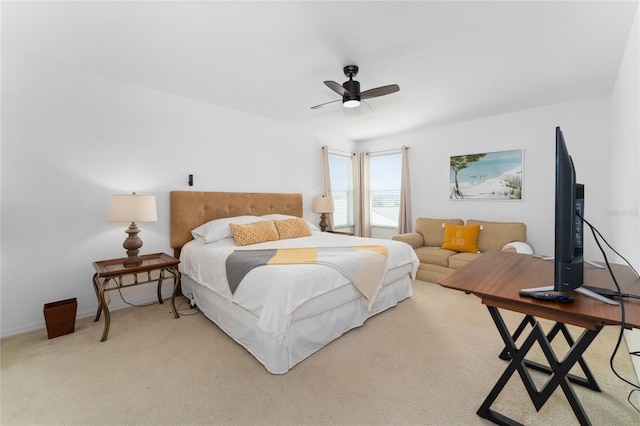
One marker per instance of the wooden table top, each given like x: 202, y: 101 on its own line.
x: 114, y: 267
x: 497, y: 277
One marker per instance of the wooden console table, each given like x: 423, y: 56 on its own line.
x: 155, y: 267
x: 497, y: 277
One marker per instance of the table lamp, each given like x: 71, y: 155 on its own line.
x: 133, y: 208
x: 323, y: 205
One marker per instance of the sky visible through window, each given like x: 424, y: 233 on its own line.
x: 385, y: 175
x: 341, y: 175
x: 386, y: 171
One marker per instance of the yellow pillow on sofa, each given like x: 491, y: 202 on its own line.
x: 461, y: 238
x: 292, y: 228
x: 253, y: 233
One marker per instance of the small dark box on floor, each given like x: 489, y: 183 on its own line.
x: 60, y: 317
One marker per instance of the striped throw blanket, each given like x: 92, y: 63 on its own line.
x: 364, y: 266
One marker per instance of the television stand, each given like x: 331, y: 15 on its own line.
x: 496, y: 278
x: 580, y: 290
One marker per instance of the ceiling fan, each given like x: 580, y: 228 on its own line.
x: 350, y: 90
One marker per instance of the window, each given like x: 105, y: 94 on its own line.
x: 341, y: 175
x: 385, y: 177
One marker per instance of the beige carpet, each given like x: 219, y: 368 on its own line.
x: 429, y: 361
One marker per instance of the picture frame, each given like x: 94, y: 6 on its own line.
x: 487, y: 176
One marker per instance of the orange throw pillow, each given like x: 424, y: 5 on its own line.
x: 461, y: 238
x: 253, y: 233
x: 292, y: 228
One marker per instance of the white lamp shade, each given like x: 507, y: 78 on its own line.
x: 133, y: 208
x: 323, y: 205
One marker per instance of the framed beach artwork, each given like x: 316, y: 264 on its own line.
x: 486, y: 176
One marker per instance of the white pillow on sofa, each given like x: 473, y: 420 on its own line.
x: 278, y: 216
x: 518, y: 247
x: 219, y: 229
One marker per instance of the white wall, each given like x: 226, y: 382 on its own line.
x: 625, y: 205
x: 585, y: 123
x: 71, y: 139
x: 625, y: 113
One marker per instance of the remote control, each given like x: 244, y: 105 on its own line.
x: 547, y: 296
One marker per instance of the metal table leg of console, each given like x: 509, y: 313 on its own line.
x: 558, y: 370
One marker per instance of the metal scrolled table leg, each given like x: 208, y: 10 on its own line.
x: 160, y: 279
x: 96, y: 287
x: 105, y: 308
x: 176, y: 283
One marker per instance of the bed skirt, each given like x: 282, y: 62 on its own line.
x: 313, y: 325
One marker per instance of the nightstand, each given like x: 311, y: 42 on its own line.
x: 112, y: 275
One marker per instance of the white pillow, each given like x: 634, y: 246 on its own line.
x: 219, y: 229
x: 278, y: 216
x: 519, y: 247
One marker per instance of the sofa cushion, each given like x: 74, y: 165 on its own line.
x: 461, y: 238
x: 434, y: 255
x: 458, y: 260
x: 494, y: 235
x: 432, y: 230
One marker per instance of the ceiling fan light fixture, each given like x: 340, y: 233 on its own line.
x: 351, y: 103
x: 350, y: 90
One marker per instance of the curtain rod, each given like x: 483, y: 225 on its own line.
x: 389, y: 151
x: 335, y: 151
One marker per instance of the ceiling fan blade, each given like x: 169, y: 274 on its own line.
x: 326, y: 103
x: 337, y: 88
x: 379, y: 91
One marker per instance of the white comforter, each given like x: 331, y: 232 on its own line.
x: 274, y: 292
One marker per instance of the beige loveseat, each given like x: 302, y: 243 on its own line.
x: 436, y: 262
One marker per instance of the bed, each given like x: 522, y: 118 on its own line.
x: 281, y: 313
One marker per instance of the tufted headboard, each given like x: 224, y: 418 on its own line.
x: 190, y: 209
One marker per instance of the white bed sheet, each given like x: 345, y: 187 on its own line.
x: 288, y: 286
x: 280, y: 313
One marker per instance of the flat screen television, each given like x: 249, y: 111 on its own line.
x: 569, y: 235
x: 568, y: 256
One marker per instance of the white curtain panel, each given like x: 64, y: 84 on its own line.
x: 361, y: 194
x: 404, y: 221
x: 327, y: 184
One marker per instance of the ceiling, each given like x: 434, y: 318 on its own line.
x: 453, y: 60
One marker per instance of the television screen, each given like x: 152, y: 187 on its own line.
x: 568, y: 258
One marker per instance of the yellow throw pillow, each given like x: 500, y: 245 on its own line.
x: 253, y: 233
x: 292, y: 228
x: 461, y: 238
